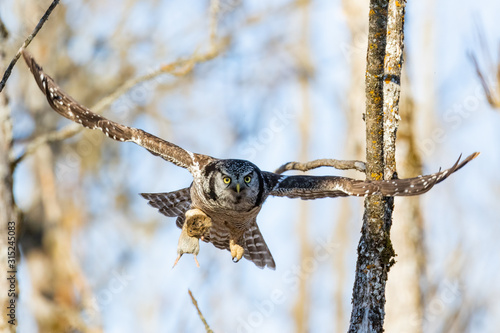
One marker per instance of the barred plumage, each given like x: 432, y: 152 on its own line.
x: 307, y: 187
x: 170, y: 204
x: 222, y: 203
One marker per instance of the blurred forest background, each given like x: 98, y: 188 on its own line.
x: 272, y: 82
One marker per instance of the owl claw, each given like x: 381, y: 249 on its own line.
x: 236, y: 250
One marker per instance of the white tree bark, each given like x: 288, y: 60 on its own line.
x: 383, y: 86
x: 7, y: 209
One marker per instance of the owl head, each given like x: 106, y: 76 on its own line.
x: 234, y: 184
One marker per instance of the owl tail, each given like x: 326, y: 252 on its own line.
x: 256, y: 249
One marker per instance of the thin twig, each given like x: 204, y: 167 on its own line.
x: 178, y: 68
x: 492, y: 94
x: 487, y: 91
x: 214, y: 13
x: 28, y: 40
x: 195, y: 303
x: 337, y: 164
x: 64, y: 133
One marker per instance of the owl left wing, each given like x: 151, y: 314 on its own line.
x: 314, y: 187
x: 69, y: 108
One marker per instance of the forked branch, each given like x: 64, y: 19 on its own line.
x: 337, y: 164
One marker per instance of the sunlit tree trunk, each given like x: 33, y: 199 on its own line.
x: 406, y: 294
x: 303, y: 302
x: 7, y: 208
x: 404, y: 289
x: 354, y: 51
x: 382, y: 84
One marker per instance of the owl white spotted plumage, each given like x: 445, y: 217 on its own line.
x: 225, y: 197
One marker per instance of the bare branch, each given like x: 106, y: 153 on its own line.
x: 65, y: 133
x: 28, y: 40
x: 337, y: 164
x: 484, y: 83
x: 178, y: 68
x: 492, y: 93
x: 195, y: 303
x: 214, y: 13
x: 7, y: 204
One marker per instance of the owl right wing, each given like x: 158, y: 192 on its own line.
x: 171, y: 204
x: 66, y: 106
x: 314, y: 187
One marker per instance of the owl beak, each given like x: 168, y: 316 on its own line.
x: 238, y: 187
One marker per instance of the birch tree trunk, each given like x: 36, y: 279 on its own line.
x: 382, y: 84
x: 302, y: 306
x: 7, y: 210
x: 405, y: 297
x: 355, y: 12
x: 409, y: 285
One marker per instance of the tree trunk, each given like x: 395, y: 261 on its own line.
x: 405, y: 297
x: 7, y: 210
x: 383, y: 76
x: 302, y: 306
x: 355, y: 12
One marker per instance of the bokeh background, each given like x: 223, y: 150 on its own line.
x: 272, y: 82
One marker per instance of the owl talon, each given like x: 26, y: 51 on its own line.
x: 236, y: 250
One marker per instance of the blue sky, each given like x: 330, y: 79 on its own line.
x: 229, y: 112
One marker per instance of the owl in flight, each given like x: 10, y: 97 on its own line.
x: 222, y: 203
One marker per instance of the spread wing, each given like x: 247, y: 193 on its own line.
x: 66, y: 106
x: 171, y: 203
x: 314, y: 187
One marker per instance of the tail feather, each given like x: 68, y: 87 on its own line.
x: 256, y: 249
x: 253, y: 243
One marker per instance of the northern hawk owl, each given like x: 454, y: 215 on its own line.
x: 226, y: 195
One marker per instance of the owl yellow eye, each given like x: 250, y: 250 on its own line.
x: 247, y: 179
x: 226, y: 180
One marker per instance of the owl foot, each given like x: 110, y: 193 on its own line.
x: 236, y: 250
